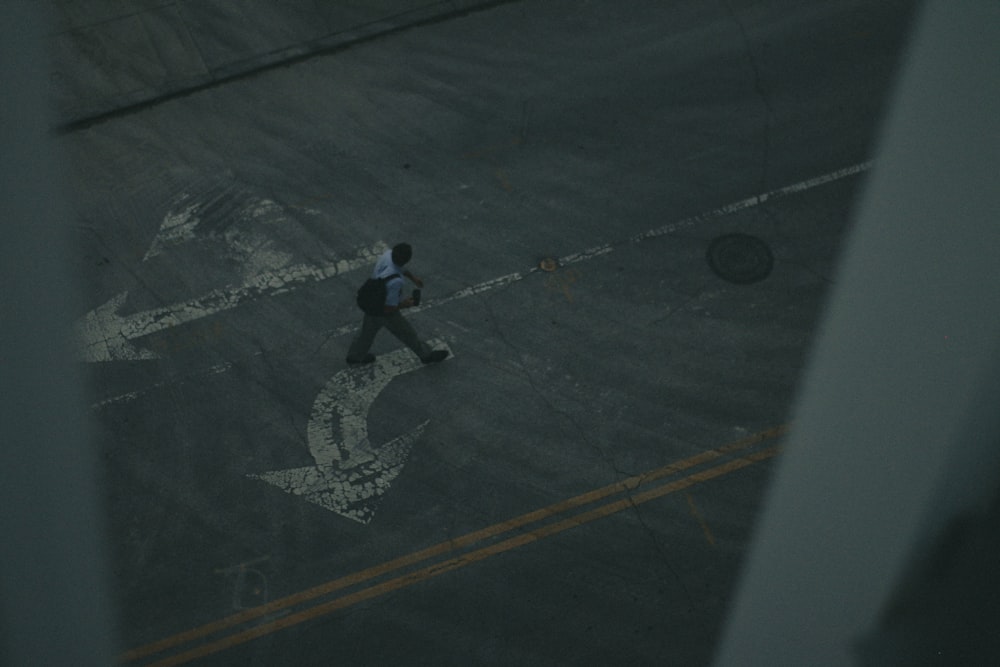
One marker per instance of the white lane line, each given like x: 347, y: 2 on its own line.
x: 720, y: 212
x: 670, y: 228
x: 132, y: 395
x: 598, y: 251
x: 502, y: 281
x: 104, y: 335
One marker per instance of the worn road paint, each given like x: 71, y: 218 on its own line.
x: 236, y: 221
x: 132, y: 395
x: 350, y: 476
x: 701, y: 519
x: 504, y: 181
x: 561, y: 282
x: 249, y: 584
x: 177, y: 227
x: 722, y: 211
x: 104, y: 335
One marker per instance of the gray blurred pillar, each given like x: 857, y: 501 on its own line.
x: 53, y: 599
x: 896, y: 427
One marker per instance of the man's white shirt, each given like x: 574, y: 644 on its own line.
x: 393, y: 288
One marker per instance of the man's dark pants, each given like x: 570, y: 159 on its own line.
x: 397, y: 326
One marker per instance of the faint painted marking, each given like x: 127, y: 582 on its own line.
x: 561, y: 282
x: 249, y: 584
x: 132, y: 395
x: 504, y: 181
x: 350, y: 476
x: 177, y: 227
x: 701, y: 519
x: 236, y: 221
x: 104, y: 335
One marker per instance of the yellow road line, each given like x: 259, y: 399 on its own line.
x: 627, y: 485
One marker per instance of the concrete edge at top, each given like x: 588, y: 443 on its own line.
x: 116, y: 64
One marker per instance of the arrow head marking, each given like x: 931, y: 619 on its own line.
x: 177, y: 227
x: 355, y: 492
x: 100, y: 337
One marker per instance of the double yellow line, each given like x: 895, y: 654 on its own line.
x: 631, y: 499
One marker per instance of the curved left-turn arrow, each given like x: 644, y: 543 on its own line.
x: 350, y: 476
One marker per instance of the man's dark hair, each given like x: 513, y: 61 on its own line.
x: 401, y: 253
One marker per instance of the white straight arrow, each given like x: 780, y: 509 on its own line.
x: 350, y: 476
x: 104, y: 335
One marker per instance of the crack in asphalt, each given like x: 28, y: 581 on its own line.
x: 759, y: 89
x: 660, y: 549
x: 603, y: 453
x: 769, y: 114
x: 283, y: 58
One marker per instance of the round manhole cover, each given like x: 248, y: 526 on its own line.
x: 740, y: 258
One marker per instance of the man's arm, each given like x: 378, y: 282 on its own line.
x: 416, y: 281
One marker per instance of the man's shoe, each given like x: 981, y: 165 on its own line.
x: 435, y: 356
x: 369, y: 358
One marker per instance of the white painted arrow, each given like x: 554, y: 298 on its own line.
x: 101, y: 334
x: 350, y: 476
x: 104, y: 335
x: 177, y: 227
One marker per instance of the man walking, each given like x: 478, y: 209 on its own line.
x: 390, y: 267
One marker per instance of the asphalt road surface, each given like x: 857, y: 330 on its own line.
x: 578, y: 483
